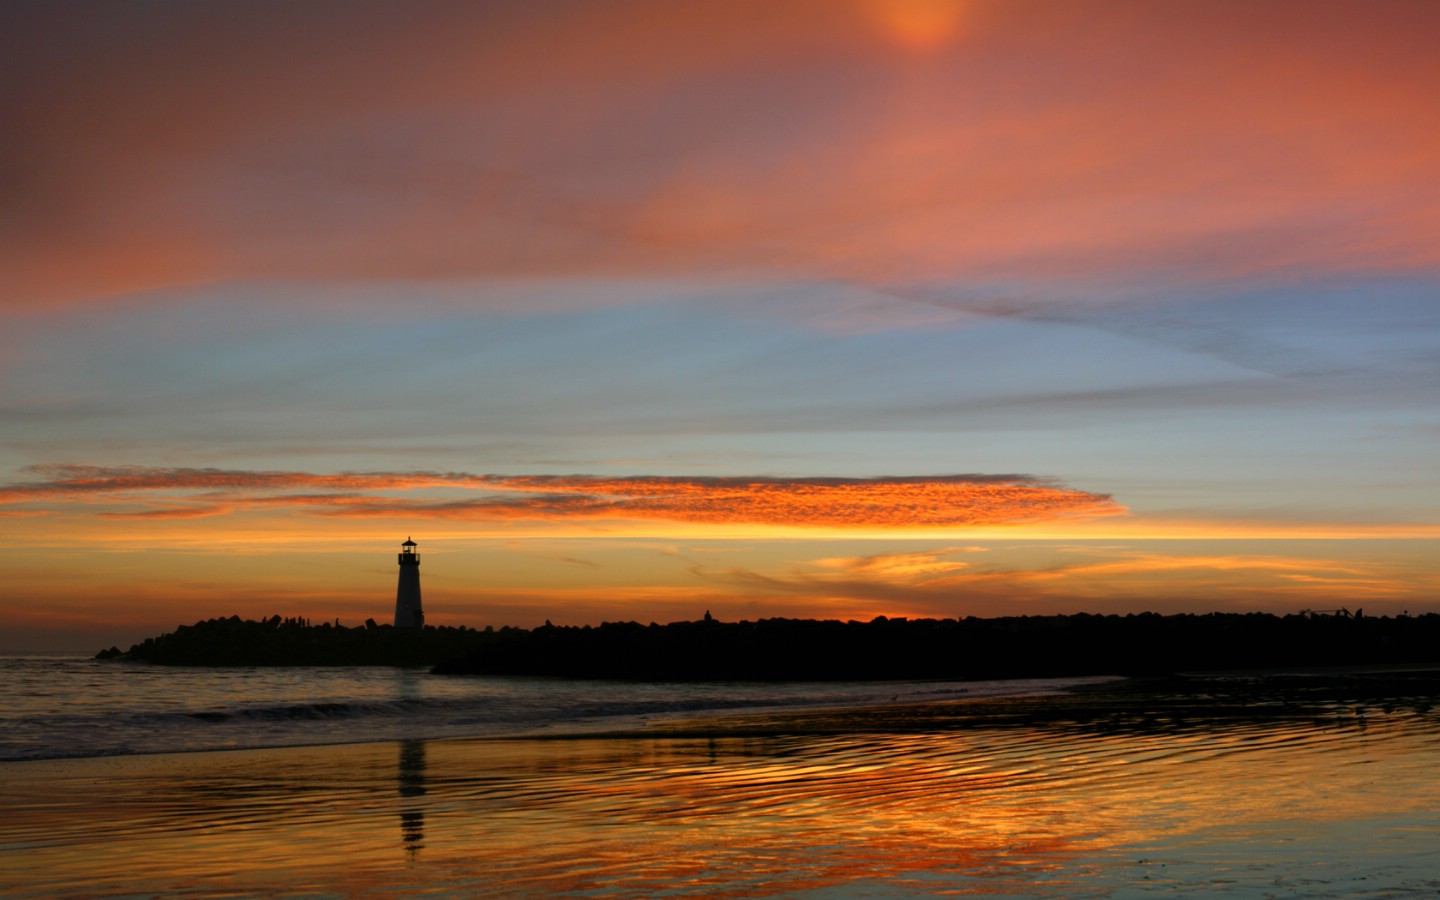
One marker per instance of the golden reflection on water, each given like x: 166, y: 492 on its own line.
x: 1043, y: 809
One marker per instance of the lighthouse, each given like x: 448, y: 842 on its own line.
x: 408, y: 613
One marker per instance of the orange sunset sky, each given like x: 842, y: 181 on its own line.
x: 634, y: 310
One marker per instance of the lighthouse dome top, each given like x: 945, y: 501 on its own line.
x: 408, y: 543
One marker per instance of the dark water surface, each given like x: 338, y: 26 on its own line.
x: 1263, y: 791
x: 52, y: 707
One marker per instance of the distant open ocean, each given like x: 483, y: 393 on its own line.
x: 130, y: 781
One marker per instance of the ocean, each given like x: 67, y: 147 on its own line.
x: 128, y: 781
x: 63, y: 707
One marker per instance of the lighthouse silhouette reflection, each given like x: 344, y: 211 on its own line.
x: 412, y: 789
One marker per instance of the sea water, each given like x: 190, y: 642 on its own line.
x: 67, y: 707
x: 593, y: 789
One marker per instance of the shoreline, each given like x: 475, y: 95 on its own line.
x: 783, y: 650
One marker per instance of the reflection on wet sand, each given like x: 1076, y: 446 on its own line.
x: 1067, y: 797
x: 412, y: 785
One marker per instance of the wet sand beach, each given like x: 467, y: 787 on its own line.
x: 1252, y: 787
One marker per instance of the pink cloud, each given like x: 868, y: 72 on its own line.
x: 986, y: 140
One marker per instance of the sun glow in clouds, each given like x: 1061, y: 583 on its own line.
x: 919, y: 24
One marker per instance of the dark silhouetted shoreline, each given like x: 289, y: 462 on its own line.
x: 296, y: 642
x: 803, y: 649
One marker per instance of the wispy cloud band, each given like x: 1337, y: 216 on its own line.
x: 913, y: 501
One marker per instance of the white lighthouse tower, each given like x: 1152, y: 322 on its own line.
x: 408, y: 613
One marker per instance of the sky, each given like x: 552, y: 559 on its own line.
x: 637, y: 310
